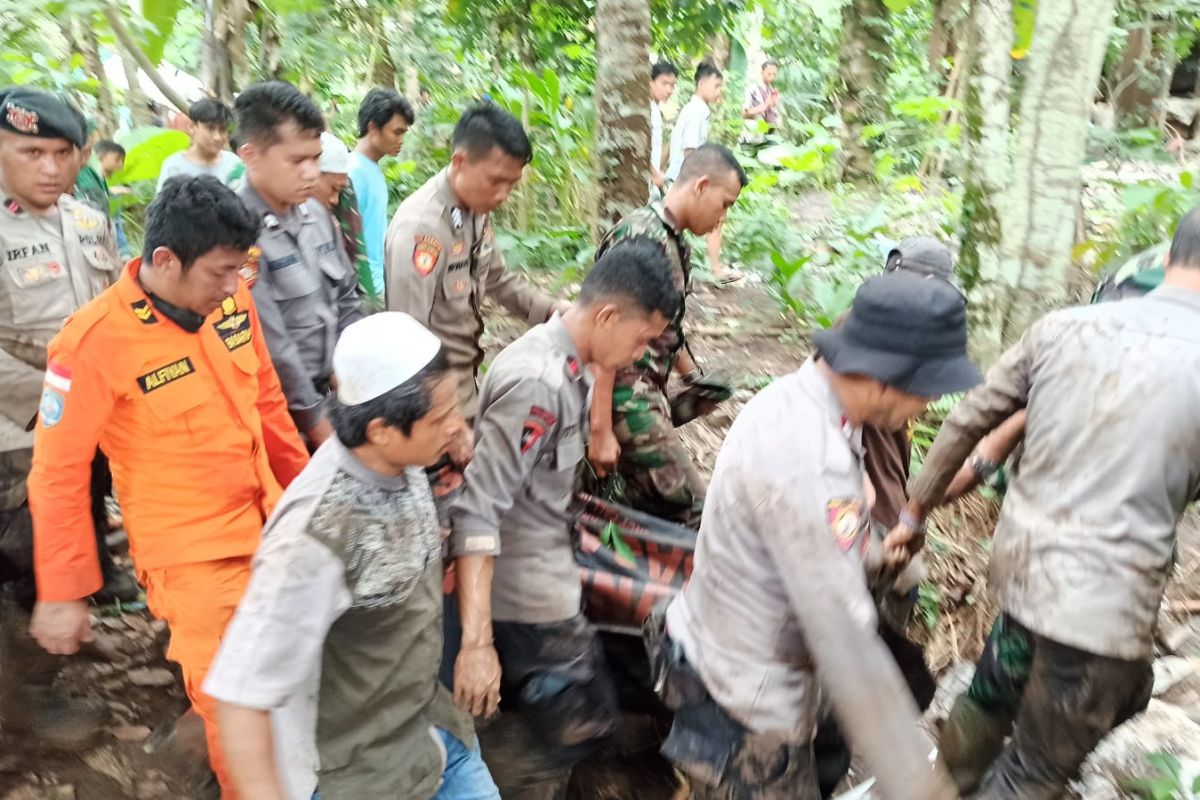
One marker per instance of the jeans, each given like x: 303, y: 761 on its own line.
x: 466, y: 776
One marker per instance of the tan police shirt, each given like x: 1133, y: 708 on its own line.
x: 777, y: 608
x: 306, y: 293
x: 1111, y: 458
x: 50, y: 265
x: 441, y: 262
x: 529, y: 440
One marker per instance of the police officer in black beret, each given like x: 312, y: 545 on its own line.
x: 56, y: 254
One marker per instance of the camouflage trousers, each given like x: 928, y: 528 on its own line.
x: 659, y: 475
x: 1056, y: 701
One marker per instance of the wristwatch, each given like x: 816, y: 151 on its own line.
x: 983, y: 467
x: 911, y: 522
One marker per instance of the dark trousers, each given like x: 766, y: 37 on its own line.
x: 16, y: 537
x: 1057, y: 701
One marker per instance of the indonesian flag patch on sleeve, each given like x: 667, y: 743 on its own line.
x: 426, y: 252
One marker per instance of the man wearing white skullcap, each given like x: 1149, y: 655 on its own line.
x: 340, y: 630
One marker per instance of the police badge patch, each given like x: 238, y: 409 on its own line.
x: 426, y: 253
x: 249, y: 269
x: 844, y: 516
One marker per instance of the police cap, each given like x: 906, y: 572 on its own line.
x: 30, y: 112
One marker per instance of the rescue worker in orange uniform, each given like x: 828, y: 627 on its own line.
x: 168, y: 372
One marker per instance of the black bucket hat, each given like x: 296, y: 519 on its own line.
x: 907, y: 332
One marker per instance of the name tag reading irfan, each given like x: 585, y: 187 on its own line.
x: 164, y: 375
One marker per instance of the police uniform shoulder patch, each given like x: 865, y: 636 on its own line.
x: 845, y: 517
x: 143, y: 311
x: 531, y: 431
x: 249, y: 269
x: 168, y: 373
x: 426, y: 252
x: 50, y: 409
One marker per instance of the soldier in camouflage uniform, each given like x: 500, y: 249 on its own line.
x: 632, y: 430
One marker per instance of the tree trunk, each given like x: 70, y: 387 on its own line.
x: 113, y: 15
x: 406, y: 34
x: 139, y: 106
x: 987, y: 137
x: 622, y: 106
x: 383, y: 71
x: 106, y: 113
x: 270, y: 52
x: 942, y: 37
x: 863, y: 67
x: 1138, y: 74
x: 1038, y: 217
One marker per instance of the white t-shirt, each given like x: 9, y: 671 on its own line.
x: 180, y: 164
x: 691, y: 131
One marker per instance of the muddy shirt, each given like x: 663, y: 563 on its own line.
x: 529, y: 440
x: 777, y: 607
x: 441, y: 261
x: 1084, y: 543
x: 340, y: 634
x: 306, y: 293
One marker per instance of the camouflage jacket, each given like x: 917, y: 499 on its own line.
x: 655, y: 221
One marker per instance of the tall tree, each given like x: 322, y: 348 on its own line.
x: 987, y: 136
x: 622, y: 106
x: 1039, y: 210
x: 131, y: 47
x: 861, y: 75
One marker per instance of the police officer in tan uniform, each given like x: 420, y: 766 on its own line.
x: 441, y: 254
x: 56, y: 254
x: 303, y: 285
x: 525, y: 640
x: 441, y: 259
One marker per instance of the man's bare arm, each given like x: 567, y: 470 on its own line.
x: 477, y: 669
x: 250, y: 751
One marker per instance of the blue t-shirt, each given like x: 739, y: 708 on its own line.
x: 371, y: 190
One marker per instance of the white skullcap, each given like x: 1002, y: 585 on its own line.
x: 334, y: 155
x: 378, y: 353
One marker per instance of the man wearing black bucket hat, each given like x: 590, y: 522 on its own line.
x: 1086, y: 536
x: 778, y: 610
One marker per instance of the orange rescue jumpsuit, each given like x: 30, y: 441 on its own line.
x: 201, y: 443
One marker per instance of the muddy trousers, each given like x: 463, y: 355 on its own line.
x: 197, y: 601
x: 1056, y: 701
x: 558, y: 706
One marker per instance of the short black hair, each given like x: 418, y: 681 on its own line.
x: 637, y: 270
x: 711, y: 159
x: 705, y: 70
x: 401, y: 407
x: 263, y: 107
x: 486, y: 125
x: 210, y: 111
x: 663, y: 68
x: 106, y: 146
x: 379, y: 106
x: 770, y: 62
x: 1185, y: 245
x: 194, y: 214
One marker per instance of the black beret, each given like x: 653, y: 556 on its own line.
x: 30, y: 112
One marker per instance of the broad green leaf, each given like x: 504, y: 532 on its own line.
x: 145, y: 151
x: 805, y: 161
x: 1141, y: 195
x: 898, y: 6
x: 1024, y: 17
x: 161, y: 14
x: 1186, y: 179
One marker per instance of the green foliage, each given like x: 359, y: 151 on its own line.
x: 925, y: 428
x: 1166, y: 783
x: 1150, y: 212
x: 929, y: 604
x: 145, y: 151
x: 160, y: 16
x: 611, y: 538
